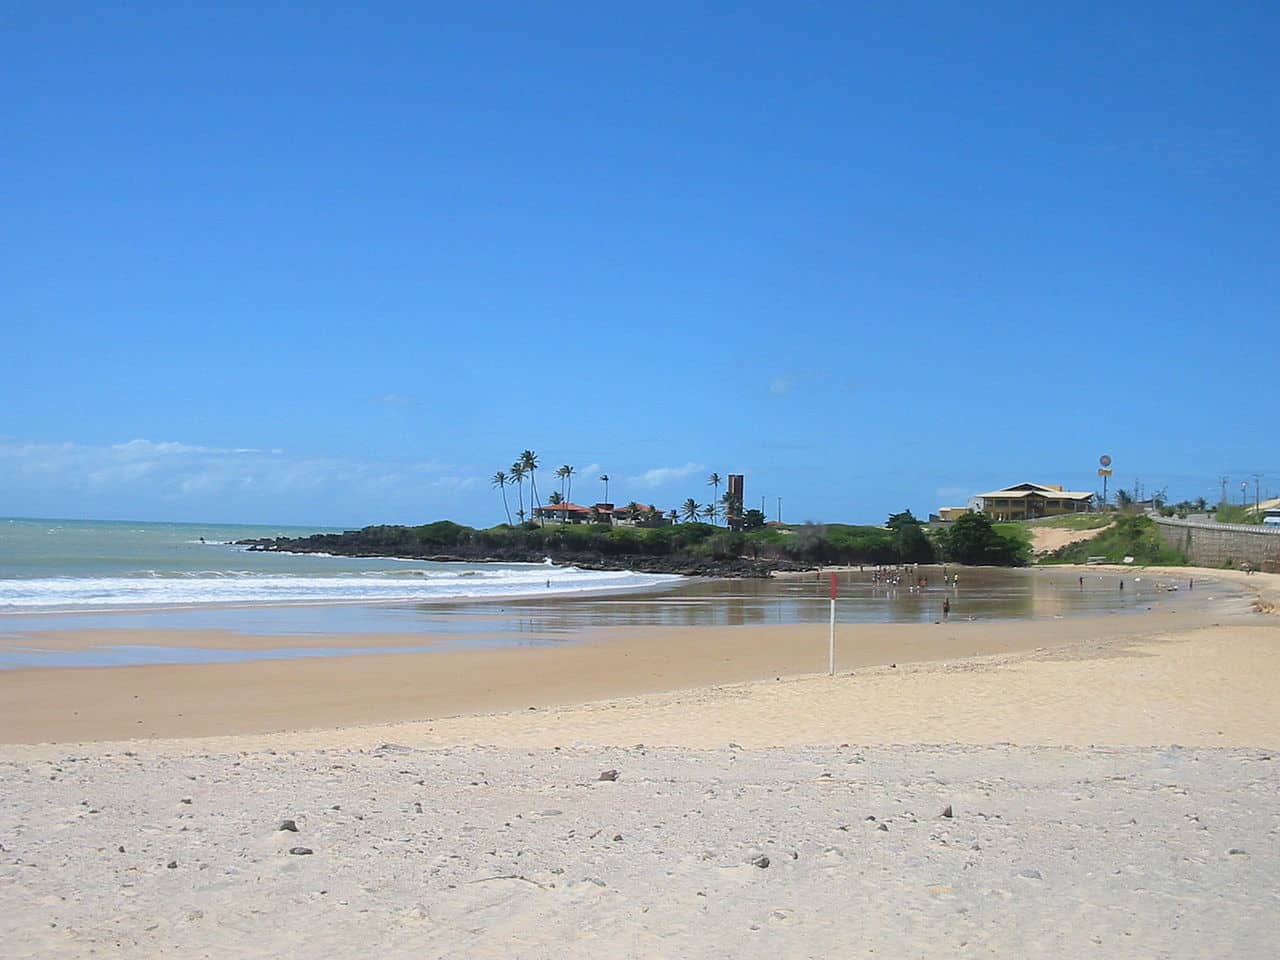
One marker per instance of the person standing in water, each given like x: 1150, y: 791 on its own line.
x: 946, y: 608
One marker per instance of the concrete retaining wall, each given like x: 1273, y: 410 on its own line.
x: 1209, y: 544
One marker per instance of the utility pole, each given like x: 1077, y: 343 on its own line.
x: 1257, y: 485
x: 1244, y: 490
x: 1223, y: 481
x: 779, y: 517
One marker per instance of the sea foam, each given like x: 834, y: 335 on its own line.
x: 153, y: 588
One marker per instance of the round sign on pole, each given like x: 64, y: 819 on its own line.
x: 1105, y: 460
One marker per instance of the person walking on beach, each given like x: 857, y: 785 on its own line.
x: 946, y: 608
x: 1122, y: 585
x: 1082, y: 583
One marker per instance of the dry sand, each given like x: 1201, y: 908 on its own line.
x: 1113, y: 785
x: 1048, y: 539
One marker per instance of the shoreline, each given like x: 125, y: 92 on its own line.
x: 42, y: 704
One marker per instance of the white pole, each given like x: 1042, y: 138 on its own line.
x: 831, y: 647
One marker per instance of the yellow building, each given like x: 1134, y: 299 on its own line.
x: 1026, y: 501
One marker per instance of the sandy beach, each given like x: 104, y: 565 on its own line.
x: 1111, y: 784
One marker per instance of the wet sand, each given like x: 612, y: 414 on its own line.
x: 200, y: 700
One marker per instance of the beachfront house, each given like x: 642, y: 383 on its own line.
x: 570, y: 513
x: 632, y: 515
x: 1027, y: 501
x: 641, y: 515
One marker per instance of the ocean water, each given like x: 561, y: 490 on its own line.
x: 51, y: 566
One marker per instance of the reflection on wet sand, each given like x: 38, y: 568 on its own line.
x: 981, y: 594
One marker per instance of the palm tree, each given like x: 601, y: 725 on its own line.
x: 556, y: 500
x: 517, y: 475
x: 565, y: 473
x: 732, y: 506
x: 530, y: 461
x: 604, y: 477
x: 714, y: 481
x: 691, y: 509
x: 500, y: 481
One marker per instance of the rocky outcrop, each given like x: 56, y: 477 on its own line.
x: 361, y: 543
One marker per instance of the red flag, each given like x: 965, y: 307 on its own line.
x: 834, y: 586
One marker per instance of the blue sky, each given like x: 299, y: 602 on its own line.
x: 319, y: 264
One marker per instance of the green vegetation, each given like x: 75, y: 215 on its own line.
x: 1076, y: 521
x: 1234, y: 513
x: 1018, y: 533
x: 974, y: 539
x: 684, y: 547
x: 1132, y: 536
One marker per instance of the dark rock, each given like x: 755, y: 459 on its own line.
x: 1236, y: 852
x: 1030, y: 874
x: 186, y: 799
x: 617, y: 836
x: 609, y: 775
x: 301, y: 851
x: 946, y: 811
x: 172, y: 864
x: 884, y: 827
x: 288, y: 825
x: 761, y: 861
x: 397, y: 541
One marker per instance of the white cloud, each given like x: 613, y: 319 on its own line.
x: 781, y: 386
x: 659, y: 476
x: 174, y: 471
